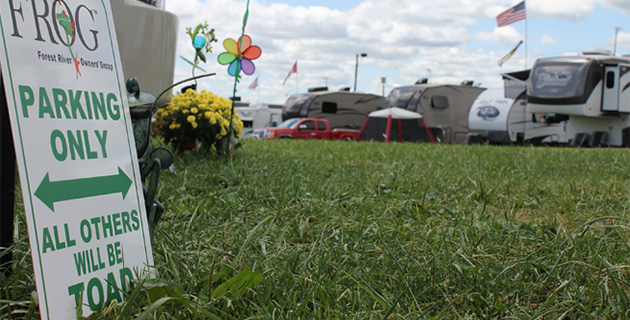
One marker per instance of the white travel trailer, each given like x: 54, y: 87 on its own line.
x: 342, y: 109
x: 501, y: 116
x: 258, y: 116
x: 590, y: 91
x: 147, y: 40
x: 444, y: 107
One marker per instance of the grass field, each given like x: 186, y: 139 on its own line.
x: 348, y: 230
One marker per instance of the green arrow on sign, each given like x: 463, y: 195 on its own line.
x: 50, y: 192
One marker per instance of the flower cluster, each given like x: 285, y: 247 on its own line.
x: 200, y: 117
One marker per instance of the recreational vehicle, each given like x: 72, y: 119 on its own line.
x: 501, y: 116
x: 258, y: 116
x: 147, y: 40
x: 590, y: 91
x: 342, y: 109
x: 444, y: 107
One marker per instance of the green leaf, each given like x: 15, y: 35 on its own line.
x: 201, y: 56
x: 222, y: 275
x: 239, y: 284
x: 158, y: 290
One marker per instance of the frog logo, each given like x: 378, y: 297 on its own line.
x: 69, y: 27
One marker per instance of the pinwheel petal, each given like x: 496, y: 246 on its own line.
x: 248, y: 66
x: 246, y: 42
x: 233, y: 67
x: 252, y: 53
x: 231, y: 46
x: 226, y: 58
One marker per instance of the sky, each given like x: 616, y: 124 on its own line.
x: 447, y: 41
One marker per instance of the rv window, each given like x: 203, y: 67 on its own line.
x: 329, y: 107
x: 248, y: 124
x: 439, y: 102
x: 610, y: 80
x: 321, y: 126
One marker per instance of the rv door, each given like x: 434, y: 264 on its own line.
x: 610, y: 98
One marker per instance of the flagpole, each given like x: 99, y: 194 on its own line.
x: 297, y: 76
x: 526, y: 38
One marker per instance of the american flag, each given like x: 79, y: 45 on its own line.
x: 509, y: 16
x: 254, y: 84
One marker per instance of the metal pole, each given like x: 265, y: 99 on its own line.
x: 356, y: 68
x: 615, y: 45
x: 7, y: 185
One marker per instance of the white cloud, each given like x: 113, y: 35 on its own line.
x: 402, y: 38
x: 547, y: 40
x: 621, y: 5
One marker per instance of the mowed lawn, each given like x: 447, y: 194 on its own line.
x: 358, y: 230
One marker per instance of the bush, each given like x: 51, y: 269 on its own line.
x: 197, y: 117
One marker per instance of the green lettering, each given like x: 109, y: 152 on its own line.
x: 61, y: 101
x: 98, y: 100
x: 125, y: 222
x: 95, y: 283
x: 27, y: 99
x: 76, y: 291
x: 79, y: 261
x: 117, y: 230
x: 115, y: 112
x: 88, y: 105
x: 86, y: 233
x: 90, y: 154
x: 44, y: 104
x: 135, y: 219
x: 112, y: 288
x: 47, y: 241
x: 102, y: 140
x: 60, y: 244
x: 75, y: 145
x: 125, y: 279
x: 75, y: 104
x: 95, y: 222
x: 71, y: 243
x: 62, y: 154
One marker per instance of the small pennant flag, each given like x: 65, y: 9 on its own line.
x: 293, y: 70
x: 254, y: 84
x: 509, y: 55
x: 509, y: 16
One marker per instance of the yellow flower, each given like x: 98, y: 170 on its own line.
x: 194, y: 124
x: 194, y: 110
x: 207, y: 114
x: 185, y: 111
x: 191, y: 119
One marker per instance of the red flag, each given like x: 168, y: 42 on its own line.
x: 293, y: 70
x: 511, y: 15
x: 254, y: 84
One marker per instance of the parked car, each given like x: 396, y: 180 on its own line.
x: 305, y: 128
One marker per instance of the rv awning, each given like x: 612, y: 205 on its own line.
x: 396, y: 113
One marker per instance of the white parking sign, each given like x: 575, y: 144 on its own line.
x: 75, y: 152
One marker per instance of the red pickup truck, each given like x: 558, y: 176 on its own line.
x: 305, y: 128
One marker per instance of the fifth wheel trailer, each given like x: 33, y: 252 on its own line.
x: 444, y: 107
x: 590, y: 91
x: 501, y: 116
x: 342, y: 109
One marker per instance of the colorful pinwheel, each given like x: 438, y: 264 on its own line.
x: 239, y: 57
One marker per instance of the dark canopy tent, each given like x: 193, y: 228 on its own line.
x: 394, y: 124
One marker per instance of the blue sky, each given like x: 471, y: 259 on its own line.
x: 456, y: 39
